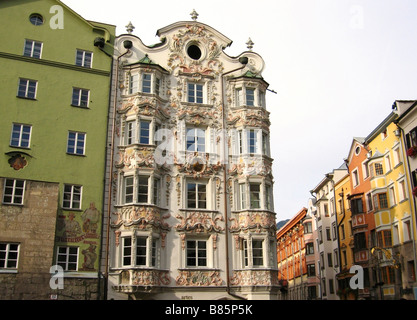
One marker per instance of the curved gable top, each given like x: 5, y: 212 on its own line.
x: 196, y: 28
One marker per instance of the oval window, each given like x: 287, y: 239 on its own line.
x: 194, y: 52
x: 36, y: 19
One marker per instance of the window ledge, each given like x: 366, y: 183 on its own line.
x: 81, y: 107
x: 8, y: 270
x: 77, y: 155
x: 27, y: 98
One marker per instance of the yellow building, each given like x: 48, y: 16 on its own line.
x: 391, y: 248
x: 345, y: 235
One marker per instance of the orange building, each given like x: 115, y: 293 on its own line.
x: 296, y: 276
x: 361, y: 210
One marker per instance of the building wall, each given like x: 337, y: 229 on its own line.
x: 32, y: 227
x: 171, y: 223
x: 391, y: 218
x: 346, y: 242
x: 293, y: 259
x: 51, y: 116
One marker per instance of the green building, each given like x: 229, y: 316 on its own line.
x: 54, y: 89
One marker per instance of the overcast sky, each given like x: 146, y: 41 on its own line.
x: 337, y: 67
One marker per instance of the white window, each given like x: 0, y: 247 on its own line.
x: 146, y: 83
x: 407, y: 230
x: 144, y: 131
x: 239, y: 97
x: 137, y: 189
x: 402, y: 190
x: 355, y: 177
x: 255, y: 195
x: 242, y: 195
x: 397, y: 156
x: 128, y: 187
x: 157, y: 86
x: 240, y: 139
x: 253, y: 253
x: 80, y: 97
x: 133, y: 83
x: 265, y: 144
x: 387, y: 163
x: 196, y: 253
x: 84, y: 58
x: 27, y: 88
x: 67, y: 258
x: 250, y: 96
x: 196, y: 140
x: 196, y: 195
x: 13, y: 191
x: 32, y: 49
x: 72, y: 196
x: 365, y: 170
x: 156, y: 191
x: 143, y: 189
x: 268, y: 197
x: 392, y: 196
x: 127, y: 251
x: 140, y: 255
x: 76, y: 143
x: 130, y: 132
x: 141, y: 249
x: 252, y: 141
x: 9, y: 255
x: 20, y: 136
x: 195, y: 93
x: 395, y: 235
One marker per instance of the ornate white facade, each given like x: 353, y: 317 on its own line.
x: 191, y: 201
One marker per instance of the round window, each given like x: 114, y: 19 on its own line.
x: 194, y: 52
x: 36, y: 19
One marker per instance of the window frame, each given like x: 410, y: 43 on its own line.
x: 194, y: 253
x: 24, y: 86
x: 193, y: 90
x: 22, y: 135
x: 197, y: 200
x: 83, y: 61
x: 76, y: 140
x: 72, y: 194
x: 146, y: 83
x: 13, y: 196
x: 67, y: 254
x: 79, y: 102
x: 199, y: 139
x: 29, y: 49
x: 253, y: 193
x: 7, y: 262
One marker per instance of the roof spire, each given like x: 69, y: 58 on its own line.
x: 130, y: 27
x: 250, y: 44
x: 194, y: 15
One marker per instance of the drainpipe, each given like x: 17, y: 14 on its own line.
x: 244, y: 61
x: 99, y: 43
x: 127, y: 44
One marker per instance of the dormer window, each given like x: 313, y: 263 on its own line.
x: 249, y: 96
x: 144, y: 82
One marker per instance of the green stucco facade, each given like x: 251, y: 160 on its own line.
x: 51, y: 114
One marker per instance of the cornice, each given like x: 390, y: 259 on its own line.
x: 55, y: 64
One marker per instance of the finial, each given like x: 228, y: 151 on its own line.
x: 250, y: 44
x: 129, y: 27
x: 194, y: 15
